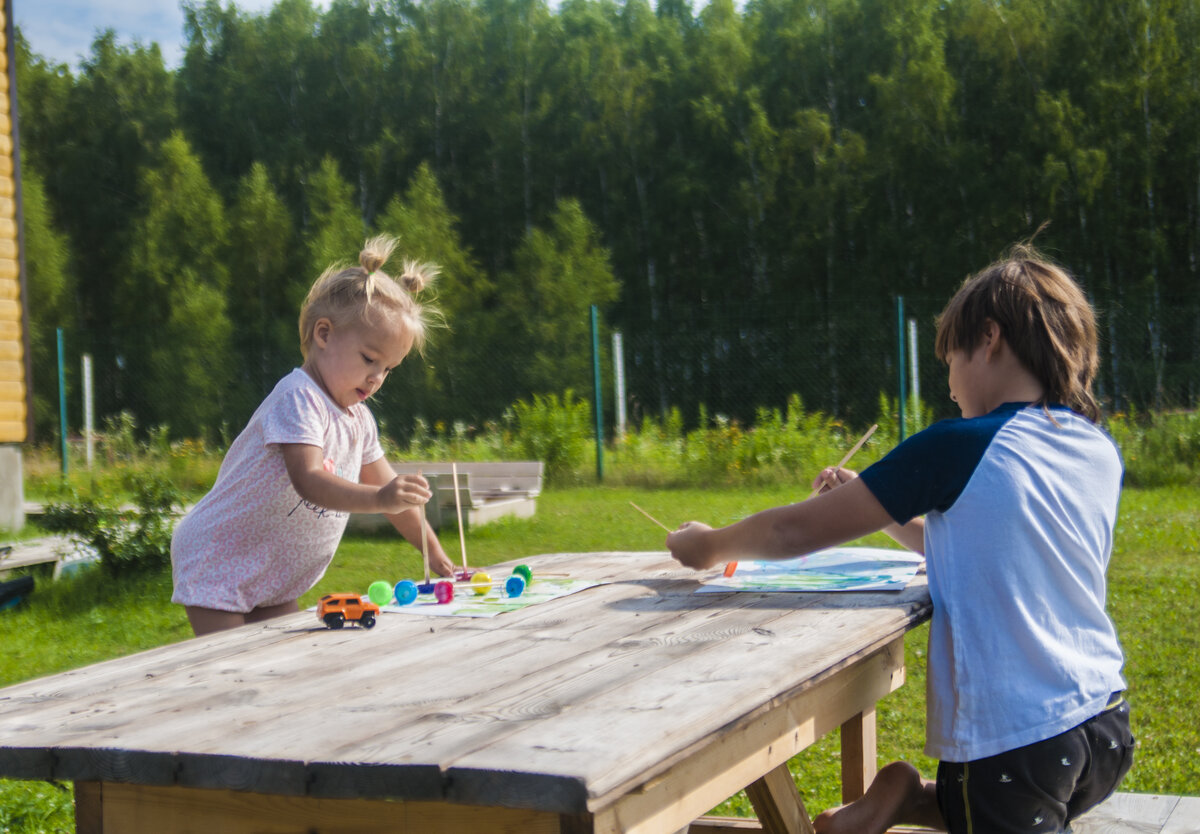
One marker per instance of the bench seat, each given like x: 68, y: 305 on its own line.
x: 487, y: 491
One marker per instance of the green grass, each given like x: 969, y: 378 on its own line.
x: 1154, y: 587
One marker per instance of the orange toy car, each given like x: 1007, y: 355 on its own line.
x: 335, y: 610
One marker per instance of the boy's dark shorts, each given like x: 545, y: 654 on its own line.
x: 1043, y: 786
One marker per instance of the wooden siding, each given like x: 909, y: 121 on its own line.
x: 14, y: 364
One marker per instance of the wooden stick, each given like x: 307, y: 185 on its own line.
x: 424, y: 540
x: 849, y: 455
x: 652, y: 518
x: 462, y: 542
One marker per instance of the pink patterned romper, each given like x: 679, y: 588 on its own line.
x: 252, y: 541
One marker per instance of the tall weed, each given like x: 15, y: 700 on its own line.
x: 1159, y: 449
x: 554, y: 432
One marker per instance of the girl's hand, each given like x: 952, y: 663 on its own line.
x: 403, y: 493
x: 690, y: 545
x: 832, y: 477
x: 439, y: 562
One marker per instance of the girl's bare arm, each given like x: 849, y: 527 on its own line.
x: 306, y: 468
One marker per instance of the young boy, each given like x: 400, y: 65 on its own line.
x: 1014, y: 507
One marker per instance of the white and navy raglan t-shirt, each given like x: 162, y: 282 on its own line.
x: 1019, y: 515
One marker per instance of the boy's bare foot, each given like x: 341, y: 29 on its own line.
x: 897, y: 794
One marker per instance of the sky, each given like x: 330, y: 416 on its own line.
x: 63, y: 30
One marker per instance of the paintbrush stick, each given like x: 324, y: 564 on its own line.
x: 652, y: 518
x: 424, y: 540
x: 462, y: 541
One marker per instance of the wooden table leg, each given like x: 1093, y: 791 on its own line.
x: 858, y: 755
x: 89, y: 808
x: 778, y: 804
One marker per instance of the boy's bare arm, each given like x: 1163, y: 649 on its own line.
x: 834, y: 517
x: 306, y: 469
x: 911, y: 535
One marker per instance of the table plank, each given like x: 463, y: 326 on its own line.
x: 570, y: 706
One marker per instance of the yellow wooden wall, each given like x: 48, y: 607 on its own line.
x: 13, y: 382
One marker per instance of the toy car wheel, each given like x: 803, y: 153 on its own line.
x: 335, y: 620
x: 367, y: 620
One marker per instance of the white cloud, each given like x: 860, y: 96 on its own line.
x: 63, y: 30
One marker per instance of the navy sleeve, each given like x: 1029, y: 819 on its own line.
x: 929, y: 470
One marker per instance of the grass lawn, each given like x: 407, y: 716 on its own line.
x: 1154, y: 587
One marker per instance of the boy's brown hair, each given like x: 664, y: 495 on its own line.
x: 1042, y: 314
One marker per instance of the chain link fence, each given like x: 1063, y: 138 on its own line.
x: 726, y: 360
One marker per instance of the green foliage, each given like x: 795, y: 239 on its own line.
x: 553, y: 431
x: 125, y: 455
x: 557, y: 275
x: 174, y: 326
x: 781, y: 447
x: 453, y: 368
x: 743, y: 189
x: 36, y: 807
x: 334, y: 232
x: 1158, y: 449
x: 128, y: 541
x: 262, y: 309
x: 49, y: 288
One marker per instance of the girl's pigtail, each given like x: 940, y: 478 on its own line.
x: 418, y: 276
x: 374, y: 255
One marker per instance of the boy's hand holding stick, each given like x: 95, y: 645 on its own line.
x: 817, y: 489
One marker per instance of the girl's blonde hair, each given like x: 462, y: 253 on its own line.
x: 1043, y: 315
x: 365, y: 292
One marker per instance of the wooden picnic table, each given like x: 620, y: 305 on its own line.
x: 633, y: 706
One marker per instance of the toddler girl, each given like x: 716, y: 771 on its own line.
x: 309, y: 456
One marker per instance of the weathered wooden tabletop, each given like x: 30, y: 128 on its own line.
x: 565, y: 706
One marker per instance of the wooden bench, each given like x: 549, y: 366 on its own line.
x: 62, y: 551
x: 487, y: 491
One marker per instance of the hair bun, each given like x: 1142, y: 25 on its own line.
x: 375, y: 252
x: 417, y: 276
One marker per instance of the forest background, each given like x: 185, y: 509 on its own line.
x: 743, y: 192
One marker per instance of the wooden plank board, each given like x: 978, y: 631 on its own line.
x: 24, y: 554
x: 430, y: 709
x: 1185, y: 819
x: 354, y: 735
x: 12, y: 431
x: 301, y: 649
x: 466, y: 727
x: 1127, y: 812
x: 303, y: 696
x: 175, y: 809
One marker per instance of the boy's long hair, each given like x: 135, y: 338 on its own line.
x: 1042, y: 314
x: 363, y: 293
